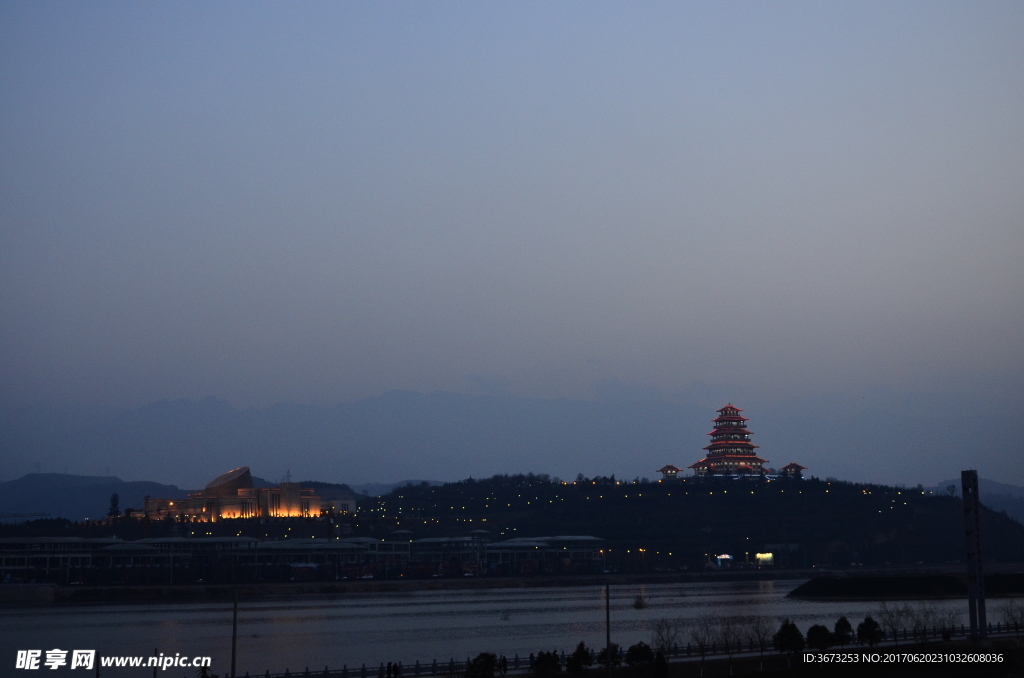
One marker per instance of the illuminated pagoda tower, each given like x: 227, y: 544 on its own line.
x: 730, y: 453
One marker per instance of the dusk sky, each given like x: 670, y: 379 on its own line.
x: 778, y: 203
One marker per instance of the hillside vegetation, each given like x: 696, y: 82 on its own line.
x: 803, y: 522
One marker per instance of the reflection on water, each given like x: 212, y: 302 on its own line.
x: 352, y: 629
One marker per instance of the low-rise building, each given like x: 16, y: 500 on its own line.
x: 232, y: 495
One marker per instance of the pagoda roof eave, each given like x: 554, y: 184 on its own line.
x: 742, y: 458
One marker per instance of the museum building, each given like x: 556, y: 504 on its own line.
x: 232, y: 495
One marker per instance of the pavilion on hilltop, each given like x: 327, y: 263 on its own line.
x: 792, y: 470
x: 669, y: 472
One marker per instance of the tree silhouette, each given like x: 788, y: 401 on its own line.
x: 602, y: 656
x: 760, y: 631
x: 843, y: 632
x: 578, y: 661
x: 666, y: 633
x: 893, y: 617
x: 702, y: 633
x: 1013, y: 614
x: 819, y: 637
x: 788, y: 639
x: 640, y: 656
x: 868, y: 631
x: 729, y: 638
x: 115, y: 506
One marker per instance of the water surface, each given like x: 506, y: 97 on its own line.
x: 355, y: 628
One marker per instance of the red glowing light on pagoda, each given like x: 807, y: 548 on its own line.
x: 730, y: 451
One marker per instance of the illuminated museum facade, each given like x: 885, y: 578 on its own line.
x: 232, y: 495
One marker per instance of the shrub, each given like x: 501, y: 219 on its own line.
x: 640, y: 655
x: 547, y: 664
x: 484, y: 665
x: 602, y: 656
x: 578, y: 661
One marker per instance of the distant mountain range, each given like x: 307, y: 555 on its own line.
x: 450, y: 436
x: 77, y: 497
x: 998, y: 496
x: 986, y: 488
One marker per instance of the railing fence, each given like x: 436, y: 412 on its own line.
x: 454, y: 667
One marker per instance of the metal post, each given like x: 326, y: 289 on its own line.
x: 608, y: 628
x: 234, y: 631
x: 975, y: 574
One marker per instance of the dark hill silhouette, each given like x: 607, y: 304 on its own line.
x: 804, y: 522
x: 329, y: 490
x: 377, y: 489
x: 262, y: 482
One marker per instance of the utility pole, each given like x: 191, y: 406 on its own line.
x: 975, y: 575
x: 234, y: 631
x: 608, y: 628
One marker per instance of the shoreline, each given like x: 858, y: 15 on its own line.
x: 819, y: 584
x: 128, y: 594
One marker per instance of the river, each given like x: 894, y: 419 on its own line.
x: 352, y: 629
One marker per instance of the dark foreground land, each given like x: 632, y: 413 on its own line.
x: 889, y: 662
x: 1001, y: 657
x: 921, y: 586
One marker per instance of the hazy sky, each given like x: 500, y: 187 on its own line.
x: 306, y: 202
